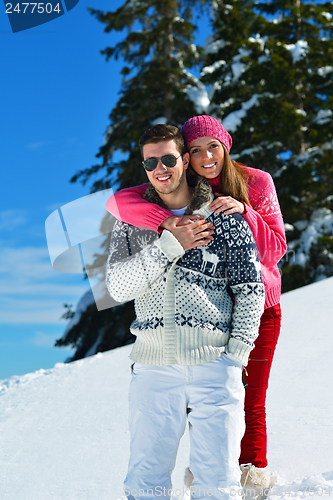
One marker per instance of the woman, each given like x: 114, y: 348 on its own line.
x: 250, y: 192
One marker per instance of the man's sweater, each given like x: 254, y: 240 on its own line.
x: 264, y: 218
x: 191, y: 306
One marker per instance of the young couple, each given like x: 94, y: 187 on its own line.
x: 199, y: 299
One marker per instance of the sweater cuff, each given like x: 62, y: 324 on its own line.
x: 238, y: 351
x: 250, y: 215
x: 170, y: 246
x: 155, y: 218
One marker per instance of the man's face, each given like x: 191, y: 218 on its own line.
x: 166, y: 180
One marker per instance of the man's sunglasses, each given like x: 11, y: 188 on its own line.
x: 168, y: 160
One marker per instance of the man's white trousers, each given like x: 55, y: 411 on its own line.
x: 160, y: 397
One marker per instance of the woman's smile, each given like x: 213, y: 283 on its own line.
x: 206, y: 156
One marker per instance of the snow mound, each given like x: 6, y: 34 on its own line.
x: 64, y: 433
x: 300, y: 395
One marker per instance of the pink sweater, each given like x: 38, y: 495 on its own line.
x: 264, y: 219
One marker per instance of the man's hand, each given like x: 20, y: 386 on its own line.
x: 227, y: 205
x: 190, y: 230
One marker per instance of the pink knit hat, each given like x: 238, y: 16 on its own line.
x: 205, y: 126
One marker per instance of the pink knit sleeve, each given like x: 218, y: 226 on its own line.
x: 265, y: 218
x: 128, y: 205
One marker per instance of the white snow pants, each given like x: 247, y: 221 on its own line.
x: 160, y: 397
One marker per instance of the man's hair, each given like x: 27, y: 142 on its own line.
x: 160, y: 133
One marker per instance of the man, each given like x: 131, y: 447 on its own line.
x: 198, y: 312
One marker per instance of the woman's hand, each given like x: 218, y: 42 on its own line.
x: 190, y: 230
x: 227, y: 205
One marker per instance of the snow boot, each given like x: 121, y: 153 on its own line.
x: 256, y: 482
x: 188, y: 477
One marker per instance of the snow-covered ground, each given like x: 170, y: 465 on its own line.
x: 63, y: 432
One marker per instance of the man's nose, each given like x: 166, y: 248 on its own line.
x: 160, y: 166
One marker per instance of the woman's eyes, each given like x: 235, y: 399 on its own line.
x: 197, y: 150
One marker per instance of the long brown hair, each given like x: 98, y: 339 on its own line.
x: 233, y: 179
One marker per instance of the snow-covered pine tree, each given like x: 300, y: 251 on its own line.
x: 158, y: 53
x: 270, y: 67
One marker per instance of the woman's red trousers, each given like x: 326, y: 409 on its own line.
x: 254, y: 442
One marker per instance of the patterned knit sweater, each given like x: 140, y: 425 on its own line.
x: 264, y: 218
x: 190, y: 306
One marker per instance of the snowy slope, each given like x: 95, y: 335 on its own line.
x: 63, y: 432
x: 300, y: 396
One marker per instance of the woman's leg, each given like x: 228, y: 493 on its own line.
x: 254, y: 442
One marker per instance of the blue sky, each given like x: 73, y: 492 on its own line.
x: 56, y: 93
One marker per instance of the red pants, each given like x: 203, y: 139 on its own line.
x: 254, y: 442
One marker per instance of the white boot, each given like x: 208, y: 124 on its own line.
x: 188, y: 478
x: 256, y: 482
x: 252, y: 478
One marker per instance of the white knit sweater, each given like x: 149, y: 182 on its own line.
x: 191, y: 306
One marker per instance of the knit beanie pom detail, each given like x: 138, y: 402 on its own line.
x: 205, y: 126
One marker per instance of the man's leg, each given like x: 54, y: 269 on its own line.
x: 157, y: 420
x: 216, y: 399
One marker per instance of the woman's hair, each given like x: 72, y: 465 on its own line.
x: 233, y: 179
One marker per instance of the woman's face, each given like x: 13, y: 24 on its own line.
x: 206, y: 156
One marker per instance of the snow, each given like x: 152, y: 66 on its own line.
x: 307, y: 155
x: 323, y: 116
x: 301, y: 224
x: 108, y: 134
x: 259, y: 39
x: 300, y: 396
x: 198, y: 94
x: 324, y: 70
x: 237, y: 67
x: 327, y: 15
x: 213, y: 67
x: 321, y: 222
x: 247, y: 151
x: 178, y: 19
x: 157, y: 121
x: 234, y: 119
x: 298, y: 50
x: 212, y: 46
x: 64, y: 433
x: 264, y: 58
x: 288, y: 227
x: 278, y: 19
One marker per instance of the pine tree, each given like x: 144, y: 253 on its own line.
x: 158, y: 53
x: 270, y: 67
x: 98, y: 331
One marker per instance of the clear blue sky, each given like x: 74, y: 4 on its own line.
x: 56, y: 93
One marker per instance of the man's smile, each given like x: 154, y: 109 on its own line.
x: 163, y: 178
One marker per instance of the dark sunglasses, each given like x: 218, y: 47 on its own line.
x: 168, y: 160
